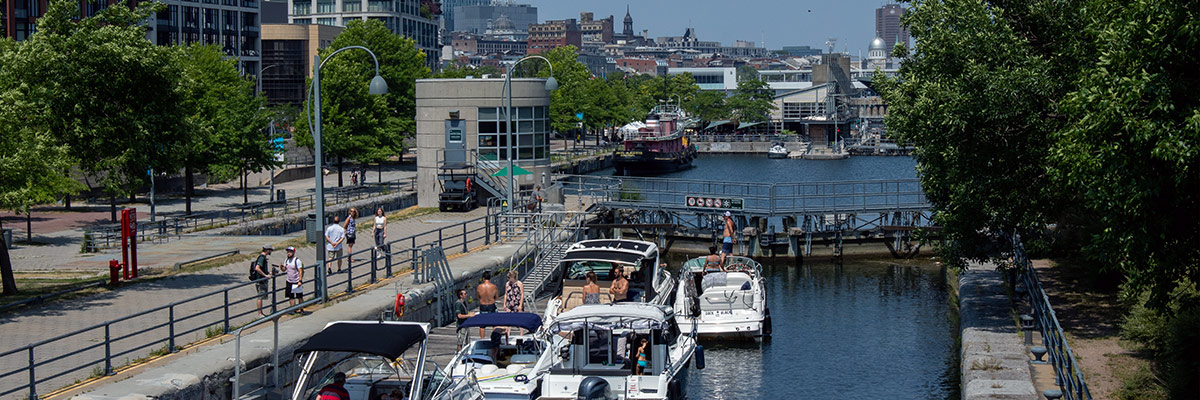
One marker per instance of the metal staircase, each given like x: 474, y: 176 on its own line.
x: 548, y: 244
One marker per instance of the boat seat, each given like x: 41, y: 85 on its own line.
x: 482, y: 348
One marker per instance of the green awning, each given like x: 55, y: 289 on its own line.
x: 715, y: 124
x: 748, y: 124
x: 519, y: 171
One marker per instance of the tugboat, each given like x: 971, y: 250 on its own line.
x: 656, y: 146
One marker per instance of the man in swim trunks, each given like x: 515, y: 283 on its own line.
x: 486, y: 292
x: 727, y: 241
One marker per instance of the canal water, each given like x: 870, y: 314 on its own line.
x: 865, y: 328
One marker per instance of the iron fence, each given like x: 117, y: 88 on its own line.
x: 105, y: 347
x: 737, y: 137
x: 109, y: 235
x: 1067, y: 374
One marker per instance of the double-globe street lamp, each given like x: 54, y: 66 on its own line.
x: 551, y: 84
x: 378, y: 86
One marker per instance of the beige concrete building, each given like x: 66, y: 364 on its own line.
x: 480, y: 107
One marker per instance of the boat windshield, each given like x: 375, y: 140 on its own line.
x: 367, y: 375
x: 579, y: 269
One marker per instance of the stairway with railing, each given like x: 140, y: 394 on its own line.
x: 547, y: 237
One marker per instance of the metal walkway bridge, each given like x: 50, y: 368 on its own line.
x: 769, y: 215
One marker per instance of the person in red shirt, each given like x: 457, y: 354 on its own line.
x: 335, y: 390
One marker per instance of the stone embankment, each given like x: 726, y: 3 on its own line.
x: 993, y: 363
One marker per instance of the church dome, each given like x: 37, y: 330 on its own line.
x: 877, y: 44
x: 504, y: 24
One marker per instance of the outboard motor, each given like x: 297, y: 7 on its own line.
x: 595, y: 388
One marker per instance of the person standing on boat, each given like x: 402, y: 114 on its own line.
x: 486, y: 292
x: 727, y: 241
x: 591, y: 291
x: 514, y: 293
x: 620, y: 286
x: 335, y: 390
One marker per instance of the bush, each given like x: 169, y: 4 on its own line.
x: 1172, y: 337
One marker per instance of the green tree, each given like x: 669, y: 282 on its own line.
x: 107, y: 93
x: 708, y: 105
x: 225, y: 118
x: 753, y: 101
x: 356, y: 125
x: 975, y: 100
x: 1131, y: 144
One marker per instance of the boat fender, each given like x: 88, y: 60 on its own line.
x: 594, y: 388
x: 398, y: 308
x: 767, y: 323
x: 699, y: 357
x: 521, y: 378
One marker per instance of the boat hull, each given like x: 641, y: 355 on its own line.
x: 777, y: 155
x: 726, y: 329
x: 648, y: 163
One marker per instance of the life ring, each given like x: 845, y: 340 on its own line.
x: 468, y: 185
x: 398, y: 309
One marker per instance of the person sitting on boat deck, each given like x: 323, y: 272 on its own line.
x: 712, y: 262
x: 591, y: 291
x: 620, y: 286
x: 335, y: 390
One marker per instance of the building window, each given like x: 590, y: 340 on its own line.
x: 351, y: 6
x: 530, y: 124
x: 326, y: 7
x: 379, y: 6
x: 327, y: 21
x: 301, y: 8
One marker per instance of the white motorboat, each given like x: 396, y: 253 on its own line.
x: 505, y: 366
x: 600, y: 357
x: 371, y: 357
x: 777, y: 150
x: 725, y: 301
x: 649, y: 281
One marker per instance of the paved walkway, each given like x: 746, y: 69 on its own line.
x: 61, y: 232
x: 29, y: 325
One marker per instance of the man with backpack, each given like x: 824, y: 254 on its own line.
x: 258, y: 274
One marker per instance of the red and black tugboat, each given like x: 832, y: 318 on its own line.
x: 655, y: 146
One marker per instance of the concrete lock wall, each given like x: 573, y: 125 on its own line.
x: 436, y: 98
x: 743, y: 147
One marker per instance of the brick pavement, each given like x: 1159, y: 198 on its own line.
x: 28, y: 325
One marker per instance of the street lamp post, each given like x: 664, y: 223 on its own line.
x: 551, y: 84
x: 378, y: 86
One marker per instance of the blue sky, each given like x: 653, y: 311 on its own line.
x: 780, y: 22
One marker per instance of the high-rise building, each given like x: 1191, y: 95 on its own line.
x: 288, y: 52
x: 448, y: 11
x: 888, y: 26
x: 475, y: 18
x: 403, y: 17
x: 232, y: 24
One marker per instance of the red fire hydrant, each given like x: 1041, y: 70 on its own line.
x: 114, y: 272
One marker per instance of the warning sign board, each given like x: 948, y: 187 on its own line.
x: 720, y: 203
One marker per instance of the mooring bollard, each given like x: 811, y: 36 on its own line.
x: 1038, y: 352
x: 1052, y: 394
x: 1027, y: 327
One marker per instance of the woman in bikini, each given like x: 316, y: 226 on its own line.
x: 642, y: 360
x: 591, y: 291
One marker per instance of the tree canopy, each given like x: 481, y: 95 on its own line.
x: 355, y: 124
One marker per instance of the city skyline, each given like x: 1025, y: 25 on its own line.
x: 799, y: 23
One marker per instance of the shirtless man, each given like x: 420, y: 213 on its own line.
x: 486, y: 292
x: 727, y: 241
x: 620, y: 287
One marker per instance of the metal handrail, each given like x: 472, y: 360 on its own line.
x: 165, y: 228
x: 1067, y: 373
x: 454, y: 238
x: 774, y: 198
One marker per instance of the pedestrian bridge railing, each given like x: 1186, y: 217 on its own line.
x: 104, y: 348
x: 749, y: 198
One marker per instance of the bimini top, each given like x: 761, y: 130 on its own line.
x: 616, y: 315
x: 613, y: 250
x: 389, y: 339
x: 528, y: 321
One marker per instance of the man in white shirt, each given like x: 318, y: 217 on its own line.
x: 294, y: 268
x: 335, y: 235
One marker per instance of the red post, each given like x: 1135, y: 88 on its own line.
x: 133, y: 264
x: 125, y: 242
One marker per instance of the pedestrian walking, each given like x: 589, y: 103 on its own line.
x: 379, y: 229
x: 539, y: 197
x: 351, y: 226
x: 335, y: 235
x: 354, y: 177
x: 293, y: 268
x: 258, y: 274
